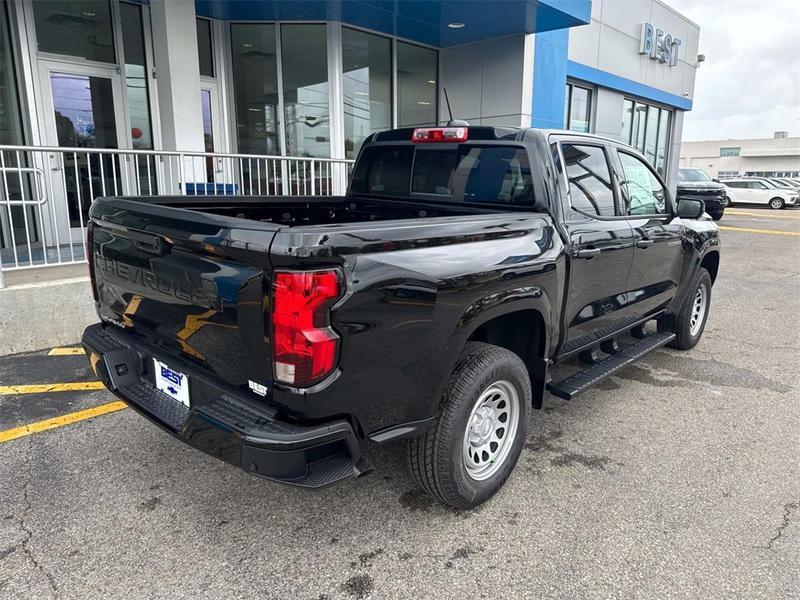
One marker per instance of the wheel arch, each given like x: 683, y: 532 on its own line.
x: 524, y: 332
x: 710, y: 263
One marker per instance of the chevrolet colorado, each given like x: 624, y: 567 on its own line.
x: 286, y: 334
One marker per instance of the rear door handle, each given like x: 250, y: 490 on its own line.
x: 587, y: 253
x: 645, y: 243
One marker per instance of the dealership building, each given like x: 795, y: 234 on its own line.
x: 778, y: 156
x: 181, y: 96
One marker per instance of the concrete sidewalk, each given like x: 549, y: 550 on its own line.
x: 42, y: 308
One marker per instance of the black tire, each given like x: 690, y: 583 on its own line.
x: 436, y: 458
x: 777, y: 203
x: 729, y: 202
x: 681, y: 323
x: 717, y: 215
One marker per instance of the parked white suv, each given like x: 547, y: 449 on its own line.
x: 759, y: 190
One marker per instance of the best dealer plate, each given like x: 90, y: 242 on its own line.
x: 173, y: 383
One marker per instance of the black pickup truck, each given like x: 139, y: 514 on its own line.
x: 285, y: 335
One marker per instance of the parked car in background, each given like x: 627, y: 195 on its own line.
x: 695, y: 184
x: 785, y: 182
x: 760, y: 190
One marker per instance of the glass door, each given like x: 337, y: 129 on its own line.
x: 214, y: 169
x: 83, y: 110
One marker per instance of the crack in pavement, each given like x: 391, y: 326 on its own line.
x: 787, y: 511
x: 28, y: 533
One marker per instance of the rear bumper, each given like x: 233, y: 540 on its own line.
x: 223, y: 422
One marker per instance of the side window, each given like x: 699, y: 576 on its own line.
x: 758, y: 185
x: 589, y: 178
x: 643, y: 192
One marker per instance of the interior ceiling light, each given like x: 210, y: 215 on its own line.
x: 456, y: 25
x: 432, y: 81
x: 88, y: 13
x: 247, y: 45
x: 423, y: 102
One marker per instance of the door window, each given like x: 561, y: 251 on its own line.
x: 643, y: 192
x: 589, y: 178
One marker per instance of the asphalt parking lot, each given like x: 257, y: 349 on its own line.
x: 679, y: 477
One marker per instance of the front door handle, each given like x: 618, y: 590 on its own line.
x: 644, y: 243
x: 587, y: 253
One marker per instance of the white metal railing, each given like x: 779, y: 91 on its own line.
x: 45, y: 192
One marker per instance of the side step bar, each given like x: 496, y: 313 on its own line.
x: 582, y: 380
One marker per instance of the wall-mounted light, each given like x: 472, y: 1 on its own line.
x: 456, y: 25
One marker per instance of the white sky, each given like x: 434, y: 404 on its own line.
x: 749, y: 85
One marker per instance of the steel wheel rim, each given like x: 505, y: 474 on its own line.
x: 775, y: 203
x: 698, y: 310
x: 491, y: 429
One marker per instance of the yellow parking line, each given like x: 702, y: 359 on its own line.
x: 765, y: 215
x: 68, y: 419
x: 41, y: 388
x: 66, y: 351
x: 750, y: 230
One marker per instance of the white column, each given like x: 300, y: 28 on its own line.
x: 178, y: 74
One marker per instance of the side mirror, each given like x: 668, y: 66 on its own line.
x: 691, y: 209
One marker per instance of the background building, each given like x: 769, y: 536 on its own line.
x: 778, y: 156
x: 221, y: 84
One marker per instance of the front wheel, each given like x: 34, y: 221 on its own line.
x: 466, y: 457
x: 776, y: 203
x: 690, y: 322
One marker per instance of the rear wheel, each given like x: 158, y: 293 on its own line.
x: 717, y: 215
x: 466, y: 457
x: 690, y: 322
x: 776, y: 203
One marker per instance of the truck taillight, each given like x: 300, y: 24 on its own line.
x: 440, y: 134
x: 90, y: 257
x: 304, y: 346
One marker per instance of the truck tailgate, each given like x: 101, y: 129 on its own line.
x: 195, y: 285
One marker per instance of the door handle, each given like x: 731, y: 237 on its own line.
x: 644, y: 243
x: 587, y: 253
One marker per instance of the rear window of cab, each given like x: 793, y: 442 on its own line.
x: 453, y: 173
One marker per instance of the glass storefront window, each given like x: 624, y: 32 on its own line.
x: 651, y: 133
x: 662, y: 149
x: 416, y: 85
x: 255, y: 82
x: 205, y: 48
x: 627, y: 121
x: 639, y: 126
x: 304, y: 54
x: 77, y: 28
x: 647, y: 128
x: 366, y: 85
x: 10, y: 115
x: 136, y: 75
x: 578, y: 105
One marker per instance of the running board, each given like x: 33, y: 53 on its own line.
x: 582, y: 380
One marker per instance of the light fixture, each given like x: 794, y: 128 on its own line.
x: 456, y: 25
x: 246, y: 45
x: 362, y: 93
x: 88, y: 13
x: 423, y: 102
x: 432, y: 81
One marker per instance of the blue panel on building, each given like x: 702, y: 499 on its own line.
x: 627, y: 86
x: 549, y: 78
x: 424, y: 21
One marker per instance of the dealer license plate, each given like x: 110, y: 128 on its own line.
x: 173, y: 383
